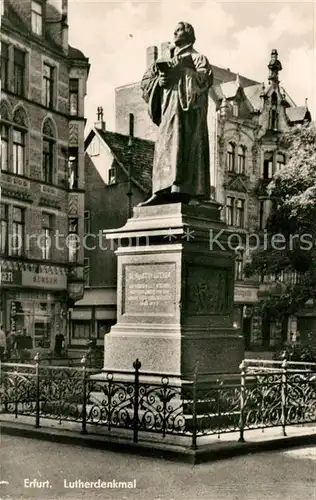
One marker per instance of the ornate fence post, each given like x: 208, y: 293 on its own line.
x: 37, y: 388
x: 194, y: 408
x: 243, y: 374
x: 284, y: 391
x: 16, y: 401
x: 84, y: 396
x: 136, y: 365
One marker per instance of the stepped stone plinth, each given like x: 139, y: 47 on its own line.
x: 175, y: 289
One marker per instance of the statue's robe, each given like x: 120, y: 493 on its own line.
x: 181, y: 158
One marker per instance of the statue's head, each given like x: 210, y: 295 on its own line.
x: 184, y: 34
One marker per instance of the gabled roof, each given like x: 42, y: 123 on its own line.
x: 298, y: 114
x: 141, y: 155
x: 222, y: 75
x: 230, y: 89
x: 253, y: 95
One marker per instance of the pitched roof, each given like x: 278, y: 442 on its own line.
x: 253, y: 95
x: 297, y: 113
x: 141, y: 155
x: 222, y: 75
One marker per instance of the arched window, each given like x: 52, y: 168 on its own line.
x: 48, y: 152
x: 280, y: 161
x: 19, y: 132
x: 241, y: 166
x: 5, y: 135
x: 231, y: 157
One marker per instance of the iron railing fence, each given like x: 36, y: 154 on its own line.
x: 263, y: 394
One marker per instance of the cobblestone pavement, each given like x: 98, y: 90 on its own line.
x: 53, y: 468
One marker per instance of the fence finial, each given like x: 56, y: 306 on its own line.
x: 243, y: 366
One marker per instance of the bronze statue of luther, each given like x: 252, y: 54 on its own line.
x: 176, y: 91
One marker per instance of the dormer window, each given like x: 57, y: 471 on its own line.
x: 37, y: 18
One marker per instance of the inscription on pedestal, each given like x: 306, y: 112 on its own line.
x: 207, y: 290
x: 149, y: 289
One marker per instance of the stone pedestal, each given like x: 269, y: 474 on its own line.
x: 174, y: 293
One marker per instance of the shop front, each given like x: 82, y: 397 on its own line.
x: 245, y: 299
x: 33, y: 303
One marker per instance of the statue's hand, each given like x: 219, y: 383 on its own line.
x: 175, y: 61
x: 163, y: 80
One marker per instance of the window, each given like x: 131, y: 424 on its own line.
x: 74, y: 96
x: 37, y: 18
x: 19, y: 72
x: 230, y: 211
x: 235, y: 109
x: 81, y: 329
x: 4, y: 221
x: 73, y: 168
x: 4, y: 66
x: 18, y: 151
x: 241, y: 167
x: 48, y: 77
x: 43, y: 314
x: 280, y: 160
x: 48, y: 161
x: 112, y: 175
x: 268, y: 165
x: 73, y: 239
x: 86, y: 271
x: 87, y: 220
x: 47, y: 233
x: 265, y: 207
x: 104, y: 327
x: 240, y: 213
x: 239, y: 266
x: 17, y: 244
x: 4, y: 147
x: 231, y: 157
x: 94, y: 147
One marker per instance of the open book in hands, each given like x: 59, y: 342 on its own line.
x: 164, y: 65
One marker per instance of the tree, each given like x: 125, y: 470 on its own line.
x: 289, y: 247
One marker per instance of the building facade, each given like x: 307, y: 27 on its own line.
x: 117, y: 177
x: 43, y: 86
x: 246, y: 120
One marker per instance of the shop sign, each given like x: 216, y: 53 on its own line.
x: 42, y: 280
x: 11, y: 278
x: 243, y: 294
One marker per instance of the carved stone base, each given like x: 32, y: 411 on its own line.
x: 174, y: 293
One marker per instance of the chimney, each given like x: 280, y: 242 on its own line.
x: 131, y: 125
x: 100, y: 123
x: 165, y: 50
x: 151, y: 55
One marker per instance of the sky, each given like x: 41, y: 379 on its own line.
x: 238, y: 35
